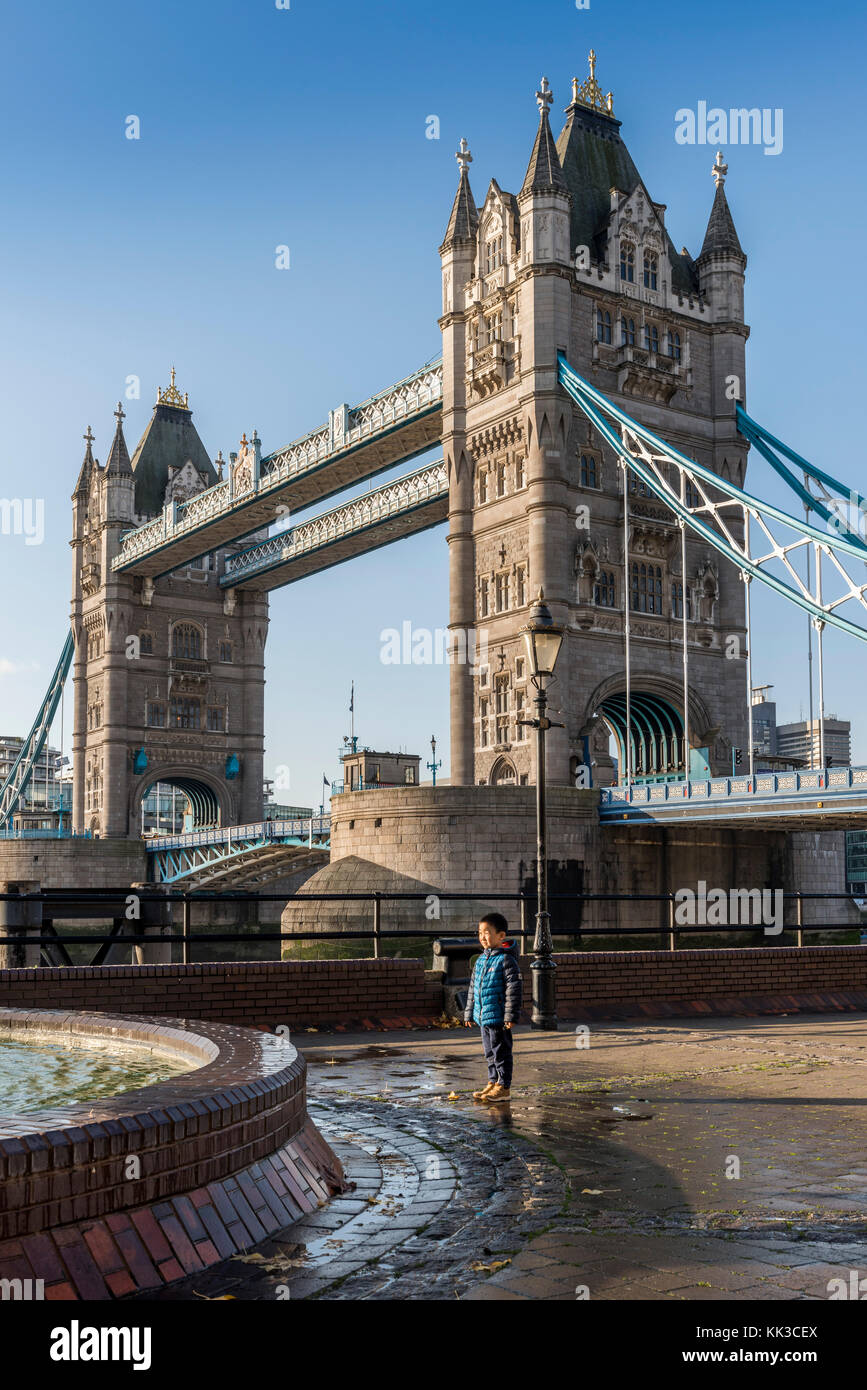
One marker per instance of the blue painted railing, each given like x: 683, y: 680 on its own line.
x: 761, y: 786
x: 257, y: 831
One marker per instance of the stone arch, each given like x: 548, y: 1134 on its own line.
x: 504, y: 773
x: 656, y: 721
x: 210, y: 800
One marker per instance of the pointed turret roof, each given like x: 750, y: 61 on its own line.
x: 87, y: 467
x: 594, y: 160
x: 465, y: 217
x: 544, y: 172
x: 721, y: 237
x: 168, y: 442
x: 118, y: 464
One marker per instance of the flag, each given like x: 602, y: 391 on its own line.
x: 352, y: 699
x: 325, y: 781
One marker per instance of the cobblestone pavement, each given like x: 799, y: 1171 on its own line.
x: 606, y: 1177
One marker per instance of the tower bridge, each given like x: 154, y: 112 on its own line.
x: 592, y: 446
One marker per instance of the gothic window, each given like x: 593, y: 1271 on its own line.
x: 494, y: 326
x: 677, y: 600
x: 520, y: 713
x: 603, y: 326
x: 501, y: 479
x: 674, y: 345
x: 651, y: 337
x: 603, y: 589
x: 187, y: 642
x: 627, y: 262
x: 156, y: 715
x: 477, y: 335
x: 501, y: 697
x: 493, y: 254
x: 483, y: 485
x: 146, y: 643
x: 646, y: 596
x: 588, y: 471
x: 627, y: 332
x: 185, y: 713
x: 216, y: 720
x: 639, y: 487
x: 226, y: 653
x: 520, y: 590
x: 519, y: 668
x: 483, y: 598
x: 519, y: 472
x: 483, y: 713
x: 651, y: 270
x: 692, y: 497
x: 501, y: 592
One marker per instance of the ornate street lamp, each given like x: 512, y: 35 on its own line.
x: 543, y: 639
x: 433, y: 764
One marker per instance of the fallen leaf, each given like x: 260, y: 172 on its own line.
x: 492, y: 1268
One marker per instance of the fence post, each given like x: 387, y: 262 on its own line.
x: 20, y: 917
x: 185, y: 956
x: 377, y: 924
x: 799, y: 937
x: 672, y: 944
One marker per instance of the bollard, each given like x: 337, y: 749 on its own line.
x: 20, y: 917
x: 154, y: 921
x: 377, y: 924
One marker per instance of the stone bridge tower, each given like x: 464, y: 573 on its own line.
x: 168, y: 675
x: 581, y: 261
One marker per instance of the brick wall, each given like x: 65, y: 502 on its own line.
x: 250, y: 993
x: 312, y: 992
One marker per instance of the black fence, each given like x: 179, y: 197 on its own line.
x: 26, y: 919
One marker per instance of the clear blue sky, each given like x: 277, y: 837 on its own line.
x: 306, y: 127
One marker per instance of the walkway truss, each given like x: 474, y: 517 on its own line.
x: 762, y: 540
x: 822, y: 571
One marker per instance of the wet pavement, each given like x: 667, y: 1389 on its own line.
x: 661, y: 1161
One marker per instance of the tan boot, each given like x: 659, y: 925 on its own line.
x: 485, y: 1091
x: 499, y: 1092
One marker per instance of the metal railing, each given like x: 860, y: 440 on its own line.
x: 187, y: 937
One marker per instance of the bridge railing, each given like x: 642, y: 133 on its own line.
x: 722, y: 788
x: 263, y: 832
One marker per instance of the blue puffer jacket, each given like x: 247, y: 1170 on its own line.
x: 495, y: 988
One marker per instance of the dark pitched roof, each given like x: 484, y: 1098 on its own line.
x: 544, y: 172
x: 721, y: 236
x: 118, y: 464
x: 594, y: 160
x: 169, y: 440
x: 87, y: 467
x: 465, y: 216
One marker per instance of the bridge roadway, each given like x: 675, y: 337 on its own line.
x: 239, y: 856
x: 823, y: 799
x: 409, y: 505
x: 357, y: 443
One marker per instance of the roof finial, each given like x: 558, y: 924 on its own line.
x: 544, y: 97
x: 591, y: 58
x: 463, y: 156
x: 89, y: 436
x: 589, y: 93
x: 118, y: 414
x: 719, y: 170
x: 172, y: 396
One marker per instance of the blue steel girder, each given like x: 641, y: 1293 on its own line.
x: 22, y: 769
x: 398, y: 424
x: 723, y: 515
x: 256, y: 850
x: 822, y: 798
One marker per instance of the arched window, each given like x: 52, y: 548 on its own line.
x: 677, y: 600
x: 493, y: 254
x: 627, y: 261
x: 651, y: 270
x: 692, y: 497
x: 187, y: 641
x: 185, y: 714
x: 588, y: 471
x: 603, y: 589
x: 627, y: 332
x: 674, y: 345
x: 651, y: 337
x: 603, y: 326
x: 646, y: 594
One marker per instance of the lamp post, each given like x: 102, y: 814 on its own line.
x: 543, y: 639
x: 433, y: 764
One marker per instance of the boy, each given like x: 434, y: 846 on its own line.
x: 494, y: 1002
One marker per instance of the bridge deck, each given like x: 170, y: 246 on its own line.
x: 356, y: 444
x: 822, y: 799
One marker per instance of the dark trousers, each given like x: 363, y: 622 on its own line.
x: 497, y: 1042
